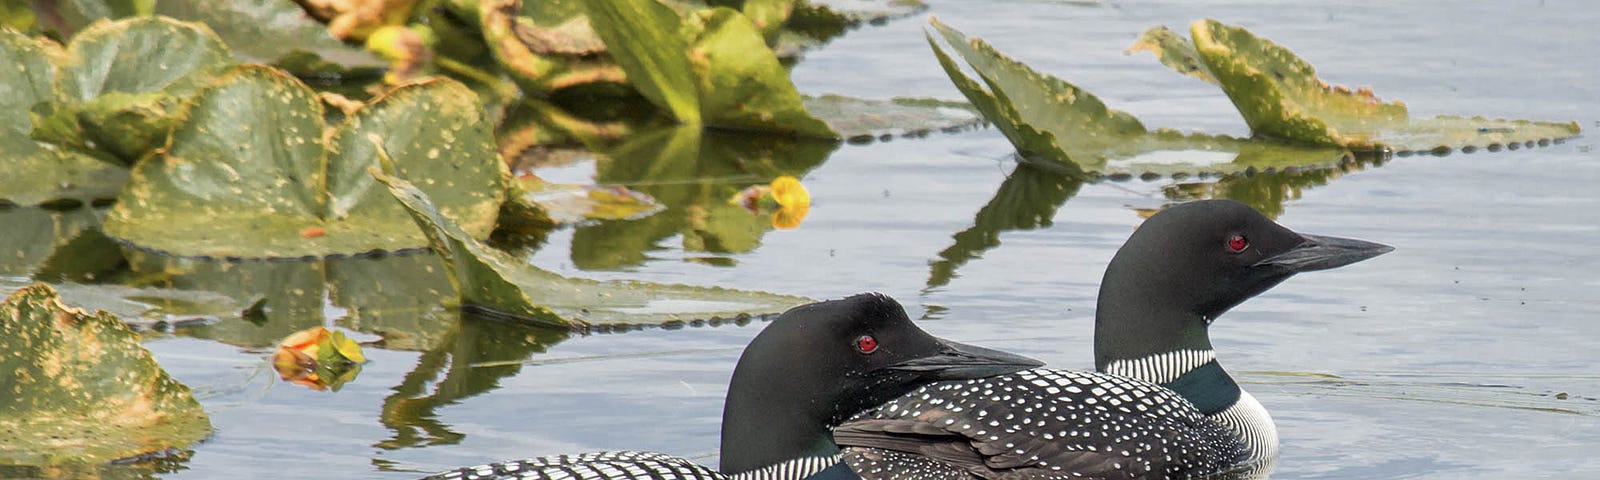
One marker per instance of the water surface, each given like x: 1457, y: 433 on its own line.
x: 1443, y: 359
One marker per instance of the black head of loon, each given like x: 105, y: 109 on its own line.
x: 1190, y: 263
x: 818, y: 364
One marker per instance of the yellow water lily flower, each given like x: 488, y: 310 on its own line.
x: 789, y: 193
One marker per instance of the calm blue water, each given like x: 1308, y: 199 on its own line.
x: 1449, y: 351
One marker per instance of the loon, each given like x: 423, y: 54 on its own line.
x: 1159, y: 404
x: 810, y: 369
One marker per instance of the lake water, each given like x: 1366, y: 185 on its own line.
x: 1471, y: 351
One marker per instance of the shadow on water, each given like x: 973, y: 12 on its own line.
x: 1029, y: 198
x: 693, y: 173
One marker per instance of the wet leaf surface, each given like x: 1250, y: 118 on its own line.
x: 41, y: 172
x: 251, y: 159
x: 81, y: 390
x: 1050, y: 120
x: 1280, y: 96
x: 500, y: 285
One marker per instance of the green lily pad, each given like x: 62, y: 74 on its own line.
x: 1052, y: 121
x: 644, y: 36
x: 250, y: 160
x: 723, y: 76
x: 492, y: 280
x: 121, y: 84
x: 40, y: 172
x: 80, y: 389
x: 1280, y: 96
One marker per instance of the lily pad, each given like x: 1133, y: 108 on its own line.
x: 80, y: 389
x: 1052, y: 121
x: 644, y: 36
x: 726, y: 70
x: 494, y: 281
x: 251, y: 160
x: 32, y: 235
x: 39, y: 172
x: 1280, y: 96
x: 121, y: 84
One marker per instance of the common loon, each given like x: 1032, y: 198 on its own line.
x: 1159, y: 406
x: 811, y: 368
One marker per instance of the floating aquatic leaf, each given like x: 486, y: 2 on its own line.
x: 493, y: 280
x: 79, y: 389
x: 1174, y: 51
x: 1050, y: 120
x: 266, y: 30
x: 1280, y: 96
x: 250, y: 159
x: 121, y: 84
x: 38, y: 172
x: 646, y: 39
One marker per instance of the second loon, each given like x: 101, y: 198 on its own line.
x: 1159, y: 404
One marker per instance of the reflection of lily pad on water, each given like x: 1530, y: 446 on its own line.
x: 496, y: 282
x: 693, y: 173
x: 1050, y: 120
x: 251, y: 159
x: 1280, y: 96
x: 81, y: 390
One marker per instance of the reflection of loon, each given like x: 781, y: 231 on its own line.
x: 1182, y: 268
x: 811, y: 368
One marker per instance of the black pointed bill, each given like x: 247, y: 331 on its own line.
x: 959, y: 361
x: 1321, y: 253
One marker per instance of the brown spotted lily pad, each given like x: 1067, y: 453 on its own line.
x: 1280, y: 96
x: 496, y: 283
x: 253, y: 161
x: 39, y: 172
x: 79, y: 389
x: 1054, y: 122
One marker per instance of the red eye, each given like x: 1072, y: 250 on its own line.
x: 866, y: 344
x: 1237, y: 243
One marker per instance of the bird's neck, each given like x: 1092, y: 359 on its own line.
x: 1141, y: 340
x: 1138, y: 337
x: 757, y: 437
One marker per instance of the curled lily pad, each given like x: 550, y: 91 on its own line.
x: 40, y: 172
x: 79, y: 389
x: 250, y: 160
x: 121, y: 84
x: 1280, y: 96
x: 723, y: 76
x: 644, y: 36
x: 1052, y: 121
x: 492, y: 280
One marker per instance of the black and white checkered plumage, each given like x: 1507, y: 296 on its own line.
x: 1040, y: 423
x: 619, y: 465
